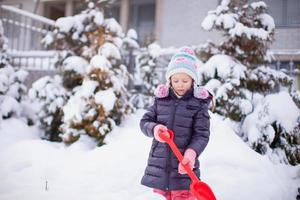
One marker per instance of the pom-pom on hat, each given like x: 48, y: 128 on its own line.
x: 184, y: 61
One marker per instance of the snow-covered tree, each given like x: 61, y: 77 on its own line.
x: 147, y: 66
x: 130, y: 43
x: 3, y: 46
x: 273, y: 129
x: 98, y: 104
x: 145, y: 74
x: 237, y: 73
x: 151, y: 62
x: 93, y: 71
x: 49, y: 96
x: 12, y: 87
x: 247, y: 28
x: 257, y: 111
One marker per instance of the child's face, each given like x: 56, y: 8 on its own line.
x: 181, y: 83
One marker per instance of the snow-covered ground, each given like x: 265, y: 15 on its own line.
x: 31, y: 168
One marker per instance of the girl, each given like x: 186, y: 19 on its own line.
x: 182, y: 107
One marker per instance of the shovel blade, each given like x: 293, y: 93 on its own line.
x: 202, y: 191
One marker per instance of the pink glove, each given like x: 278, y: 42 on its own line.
x: 188, y: 158
x: 160, y: 129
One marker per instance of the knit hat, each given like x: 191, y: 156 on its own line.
x: 184, y: 61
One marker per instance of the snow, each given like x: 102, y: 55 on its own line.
x: 113, y: 171
x: 9, y: 104
x: 77, y: 103
x: 212, y: 85
x: 76, y: 64
x: 225, y: 2
x: 47, y: 40
x: 228, y: 20
x: 99, y: 62
x: 131, y: 39
x: 221, y: 8
x: 107, y: 98
x: 91, y: 5
x: 267, y: 21
x: 246, y: 106
x: 21, y: 75
x: 269, y: 110
x: 241, y: 29
x: 65, y: 24
x: 208, y: 22
x: 113, y: 26
x: 109, y: 50
x: 131, y: 33
x: 99, y: 18
x: 155, y: 50
x: 40, y: 83
x: 225, y: 67
x: 259, y: 4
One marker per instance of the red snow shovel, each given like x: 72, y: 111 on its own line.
x: 198, y: 188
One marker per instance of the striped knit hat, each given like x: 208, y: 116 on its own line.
x: 184, y: 61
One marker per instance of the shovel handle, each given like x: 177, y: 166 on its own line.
x: 170, y: 141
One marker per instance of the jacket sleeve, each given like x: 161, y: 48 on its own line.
x: 201, y: 130
x: 149, y: 120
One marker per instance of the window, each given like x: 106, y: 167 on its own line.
x: 142, y: 17
x: 55, y: 9
x: 293, y: 13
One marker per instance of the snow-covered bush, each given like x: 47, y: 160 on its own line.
x: 146, y: 75
x: 3, y: 47
x: 151, y: 62
x: 245, y: 95
x: 12, y: 91
x: 147, y: 66
x: 98, y: 104
x: 49, y: 96
x: 274, y: 127
x: 93, y: 71
x: 237, y: 73
x: 12, y: 88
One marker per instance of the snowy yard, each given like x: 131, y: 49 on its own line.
x: 31, y: 168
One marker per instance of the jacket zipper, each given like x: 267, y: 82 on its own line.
x: 169, y: 150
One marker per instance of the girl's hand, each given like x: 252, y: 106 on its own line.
x: 160, y: 129
x: 188, y: 158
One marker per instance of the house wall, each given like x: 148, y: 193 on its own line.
x: 287, y: 38
x: 179, y: 22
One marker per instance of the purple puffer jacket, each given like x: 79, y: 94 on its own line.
x: 189, y: 119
